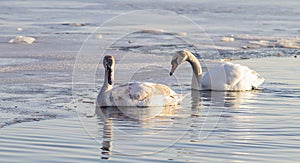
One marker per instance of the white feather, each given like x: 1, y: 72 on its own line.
x: 144, y: 94
x: 139, y: 94
x: 233, y: 77
x: 224, y: 77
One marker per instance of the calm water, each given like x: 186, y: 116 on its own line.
x: 261, y: 125
x: 48, y: 88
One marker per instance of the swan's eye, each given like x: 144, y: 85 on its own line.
x: 174, y: 61
x: 179, y: 60
x: 109, y: 62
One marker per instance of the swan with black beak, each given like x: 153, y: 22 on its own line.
x: 138, y: 94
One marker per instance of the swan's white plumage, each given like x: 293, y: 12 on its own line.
x: 143, y: 94
x: 224, y: 77
x: 233, y: 77
x: 140, y: 94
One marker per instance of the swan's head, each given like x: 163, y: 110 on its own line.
x: 178, y: 58
x: 109, y: 63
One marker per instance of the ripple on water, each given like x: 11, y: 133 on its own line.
x: 48, y: 141
x: 15, y: 61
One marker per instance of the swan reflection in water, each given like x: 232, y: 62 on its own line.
x: 127, y: 118
x: 207, y: 107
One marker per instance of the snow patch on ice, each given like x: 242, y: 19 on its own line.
x: 22, y: 39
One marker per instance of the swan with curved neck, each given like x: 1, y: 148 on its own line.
x: 139, y: 94
x: 224, y: 77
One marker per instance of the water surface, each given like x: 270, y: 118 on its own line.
x: 48, y: 88
x: 253, y: 126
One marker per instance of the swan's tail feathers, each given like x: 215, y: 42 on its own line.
x: 257, y: 80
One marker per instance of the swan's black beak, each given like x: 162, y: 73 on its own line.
x: 174, y: 66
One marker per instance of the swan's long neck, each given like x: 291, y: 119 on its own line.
x: 104, y: 95
x: 197, y: 72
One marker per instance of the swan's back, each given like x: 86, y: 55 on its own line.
x: 231, y: 77
x: 144, y: 94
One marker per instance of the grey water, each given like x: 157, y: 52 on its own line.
x: 48, y: 88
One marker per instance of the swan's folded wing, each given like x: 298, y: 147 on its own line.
x: 246, y: 79
x: 136, y: 94
x: 222, y: 77
x: 144, y: 94
x: 169, y: 96
x: 237, y: 77
x: 233, y: 77
x: 152, y: 94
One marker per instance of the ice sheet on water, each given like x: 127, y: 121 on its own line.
x: 61, y: 31
x: 22, y: 39
x: 34, y: 102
